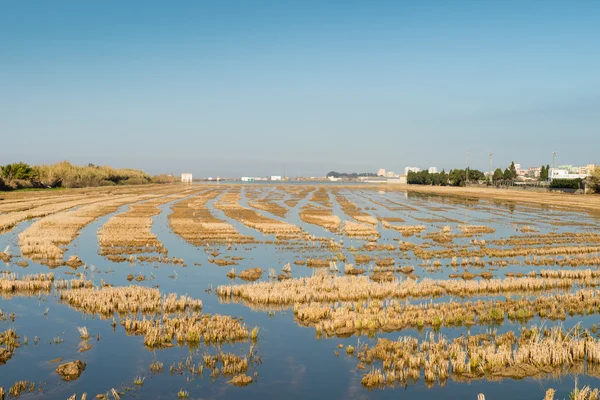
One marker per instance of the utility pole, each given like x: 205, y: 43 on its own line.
x: 467, y: 171
x: 554, y: 159
x: 491, y: 171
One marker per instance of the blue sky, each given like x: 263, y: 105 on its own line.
x: 253, y: 87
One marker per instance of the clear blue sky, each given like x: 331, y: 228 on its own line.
x: 246, y: 87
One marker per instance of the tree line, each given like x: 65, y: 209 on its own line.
x: 65, y: 175
x: 456, y: 177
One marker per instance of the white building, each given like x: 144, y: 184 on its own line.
x: 411, y: 169
x: 556, y: 173
x: 275, y: 177
x: 381, y: 172
x: 391, y: 174
x: 433, y: 170
x: 186, y: 178
x: 248, y: 179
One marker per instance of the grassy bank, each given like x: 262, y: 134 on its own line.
x: 21, y: 176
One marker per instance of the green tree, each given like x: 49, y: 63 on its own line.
x: 443, y: 178
x: 543, y: 174
x: 16, y: 171
x: 507, y: 174
x: 513, y: 171
x: 498, y: 175
x: 476, y: 175
x: 457, y: 177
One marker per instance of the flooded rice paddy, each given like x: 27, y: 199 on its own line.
x: 294, y: 291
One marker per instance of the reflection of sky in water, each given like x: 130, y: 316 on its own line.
x: 295, y: 365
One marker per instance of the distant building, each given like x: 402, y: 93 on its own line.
x: 556, y: 173
x: 411, y: 169
x: 399, y: 180
x: 569, y: 168
x: 433, y: 170
x: 248, y: 179
x: 391, y: 174
x: 275, y: 178
x: 534, y: 172
x: 381, y: 172
x: 186, y: 178
x: 588, y: 169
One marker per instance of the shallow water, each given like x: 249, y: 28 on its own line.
x: 295, y: 363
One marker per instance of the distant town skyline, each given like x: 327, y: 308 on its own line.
x: 245, y: 88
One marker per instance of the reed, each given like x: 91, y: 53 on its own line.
x: 355, y: 212
x: 535, y: 352
x: 83, y: 333
x: 229, y: 204
x: 351, y: 288
x: 321, y: 216
x: 355, y: 229
x: 9, y: 342
x: 21, y: 387
x: 131, y: 299
x: 130, y: 232
x: 193, y: 221
x: 369, y: 317
x: 46, y: 240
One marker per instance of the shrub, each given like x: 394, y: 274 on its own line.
x: 566, y: 183
x: 16, y: 171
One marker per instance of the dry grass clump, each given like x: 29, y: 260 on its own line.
x: 469, y: 230
x: 321, y: 197
x: 240, y: 380
x: 270, y: 206
x: 193, y: 221
x: 130, y: 232
x: 157, y: 367
x: 317, y: 263
x: 251, y: 274
x: 355, y: 229
x: 130, y: 299
x: 320, y: 216
x: 383, y: 276
x: 220, y: 364
x: 349, y: 288
x: 297, y: 194
x: 363, y: 258
x: 5, y: 256
x: 552, y: 238
x: 229, y: 204
x: 527, y: 229
x: 11, y: 283
x: 536, y: 352
x: 9, y: 220
x: 350, y: 269
x: 19, y: 388
x: 192, y: 329
x: 157, y: 323
x: 353, y: 211
x: 9, y: 341
x: 385, y: 262
x: 406, y: 230
x: 391, y: 220
x: 221, y: 262
x: 368, y: 317
x: 425, y: 254
x: 45, y: 240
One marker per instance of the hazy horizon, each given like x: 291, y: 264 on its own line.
x: 258, y: 88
